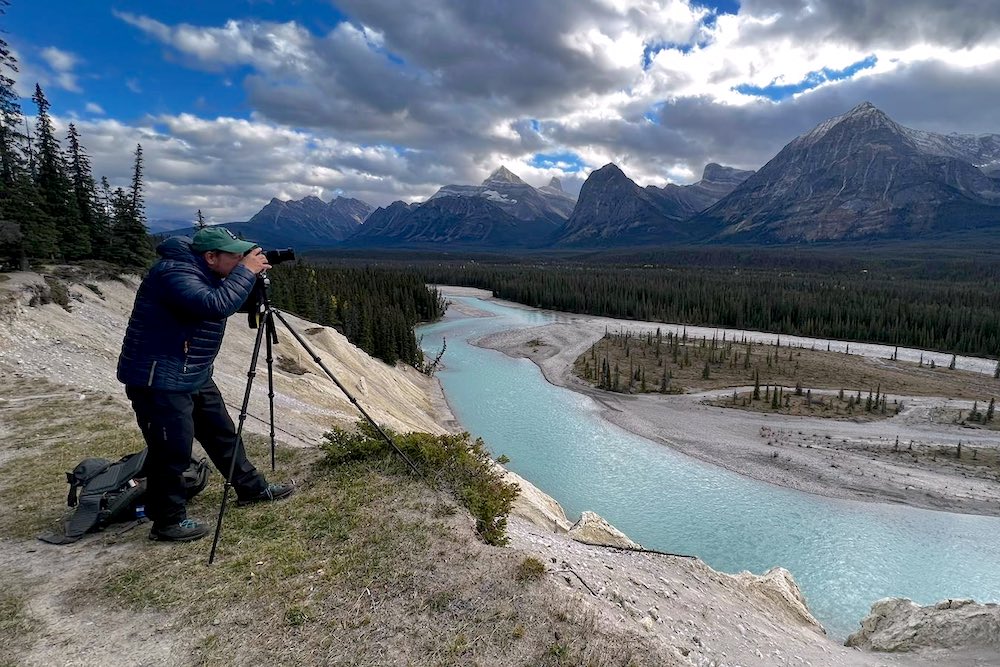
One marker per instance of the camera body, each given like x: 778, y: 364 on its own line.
x: 275, y: 257
x: 259, y: 292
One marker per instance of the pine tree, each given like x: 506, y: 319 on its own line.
x: 200, y: 222
x: 951, y: 366
x: 12, y: 166
x: 131, y: 240
x: 57, y: 199
x: 85, y: 194
x: 756, y: 385
x: 989, y: 410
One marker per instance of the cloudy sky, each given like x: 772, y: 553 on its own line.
x: 235, y: 102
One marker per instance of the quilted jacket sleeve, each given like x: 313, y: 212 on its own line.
x: 185, y: 289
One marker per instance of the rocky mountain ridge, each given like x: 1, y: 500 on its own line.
x: 862, y: 176
x: 856, y: 177
x: 512, y: 195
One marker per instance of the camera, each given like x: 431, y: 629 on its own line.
x: 275, y: 257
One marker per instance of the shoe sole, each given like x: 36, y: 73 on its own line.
x: 244, y: 503
x: 188, y: 538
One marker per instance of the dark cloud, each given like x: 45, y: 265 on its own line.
x: 874, y: 23
x: 408, y: 95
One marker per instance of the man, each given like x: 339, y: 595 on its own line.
x: 173, y: 337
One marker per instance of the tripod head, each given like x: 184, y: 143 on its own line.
x: 258, y: 303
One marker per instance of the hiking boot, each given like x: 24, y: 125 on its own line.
x: 185, y: 531
x: 271, y: 493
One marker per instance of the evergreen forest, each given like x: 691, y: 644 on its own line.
x: 51, y: 207
x: 928, y: 298
x: 375, y: 308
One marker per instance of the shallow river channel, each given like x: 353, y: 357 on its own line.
x: 843, y: 554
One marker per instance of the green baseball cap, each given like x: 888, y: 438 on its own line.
x: 219, y: 238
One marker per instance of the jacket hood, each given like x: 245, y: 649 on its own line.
x: 176, y: 247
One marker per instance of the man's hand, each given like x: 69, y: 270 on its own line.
x: 255, y: 261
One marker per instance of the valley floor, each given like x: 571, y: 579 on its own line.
x: 834, y: 458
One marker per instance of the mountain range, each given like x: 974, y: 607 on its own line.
x: 856, y: 177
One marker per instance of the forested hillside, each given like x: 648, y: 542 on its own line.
x: 949, y: 305
x: 375, y: 308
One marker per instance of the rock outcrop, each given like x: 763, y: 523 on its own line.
x: 900, y: 625
x: 592, y: 529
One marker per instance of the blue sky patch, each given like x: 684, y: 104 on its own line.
x: 653, y: 115
x: 131, y: 74
x: 557, y: 161
x: 778, y: 92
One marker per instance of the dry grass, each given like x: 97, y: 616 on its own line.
x: 17, y: 628
x: 364, y: 565
x: 683, y: 362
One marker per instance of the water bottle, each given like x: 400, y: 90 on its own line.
x: 140, y: 512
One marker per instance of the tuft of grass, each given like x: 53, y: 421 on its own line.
x: 17, y: 627
x: 530, y: 569
x: 290, y: 365
x: 455, y: 461
x: 58, y: 291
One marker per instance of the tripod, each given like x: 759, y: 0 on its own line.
x: 261, y: 317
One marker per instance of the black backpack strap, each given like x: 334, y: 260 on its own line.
x: 82, y: 474
x: 73, y: 486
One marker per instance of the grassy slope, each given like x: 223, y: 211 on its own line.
x: 364, y: 565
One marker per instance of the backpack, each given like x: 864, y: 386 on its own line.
x: 104, y: 493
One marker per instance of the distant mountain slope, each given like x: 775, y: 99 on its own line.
x: 861, y: 176
x: 303, y: 223
x: 313, y: 217
x: 507, y: 191
x: 613, y: 210
x: 451, y: 220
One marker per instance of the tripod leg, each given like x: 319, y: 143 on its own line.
x: 271, y: 336
x: 342, y: 388
x: 239, y: 441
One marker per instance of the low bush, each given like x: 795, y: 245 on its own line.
x: 454, y: 461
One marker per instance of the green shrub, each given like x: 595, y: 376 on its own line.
x: 58, y: 291
x: 454, y: 461
x: 530, y: 569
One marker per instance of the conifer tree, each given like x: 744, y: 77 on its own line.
x: 200, y: 222
x: 62, y: 222
x: 989, y: 410
x: 13, y: 174
x: 85, y: 194
x: 131, y: 241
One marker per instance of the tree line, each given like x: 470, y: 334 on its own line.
x: 950, y: 315
x: 375, y: 308
x: 51, y: 208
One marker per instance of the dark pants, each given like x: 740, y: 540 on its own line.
x: 169, y: 422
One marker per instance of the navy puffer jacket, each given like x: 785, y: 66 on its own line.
x: 178, y: 320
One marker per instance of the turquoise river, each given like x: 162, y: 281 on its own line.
x: 843, y: 554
